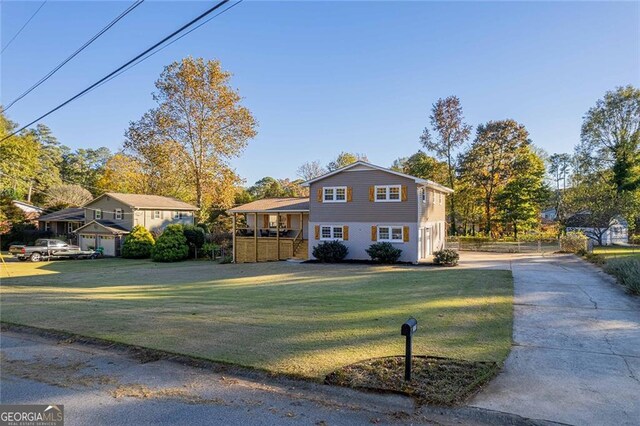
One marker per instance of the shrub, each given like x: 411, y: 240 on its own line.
x: 384, y: 253
x: 195, y: 238
x: 204, y: 227
x: 446, y: 257
x: 171, y: 246
x: 634, y: 239
x: 138, y: 244
x: 330, y: 251
x: 627, y: 271
x: 596, y: 259
x: 573, y: 242
x: 209, y: 249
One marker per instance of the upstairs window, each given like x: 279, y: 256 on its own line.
x: 156, y: 214
x: 388, y: 193
x: 423, y: 195
x: 118, y: 214
x: 334, y: 194
x: 97, y: 214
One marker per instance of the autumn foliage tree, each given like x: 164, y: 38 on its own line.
x: 198, y: 126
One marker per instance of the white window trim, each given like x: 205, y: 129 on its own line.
x: 387, y: 190
x: 334, y: 188
x: 97, y: 214
x: 117, y: 214
x: 332, y: 238
x: 159, y: 215
x: 390, y: 239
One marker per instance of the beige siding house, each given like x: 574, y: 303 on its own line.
x: 360, y: 204
x: 111, y: 216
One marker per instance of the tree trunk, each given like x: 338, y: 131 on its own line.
x: 487, y: 210
x: 515, y: 230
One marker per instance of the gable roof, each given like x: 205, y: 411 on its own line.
x: 273, y: 205
x: 143, y: 201
x: 65, y: 215
x: 419, y: 181
x: 107, y: 225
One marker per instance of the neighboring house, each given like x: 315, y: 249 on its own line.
x: 62, y: 223
x: 31, y: 212
x: 359, y: 204
x: 615, y: 231
x: 549, y: 214
x: 111, y: 216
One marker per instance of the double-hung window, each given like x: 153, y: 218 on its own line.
x: 334, y: 194
x: 156, y: 214
x: 331, y: 232
x: 388, y: 193
x: 390, y: 234
x: 97, y: 214
x: 117, y: 215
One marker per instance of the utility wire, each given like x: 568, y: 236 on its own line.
x: 165, y: 46
x: 179, y: 30
x: 23, y: 27
x: 74, y: 54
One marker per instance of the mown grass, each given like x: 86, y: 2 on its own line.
x: 300, y: 319
x: 611, y: 252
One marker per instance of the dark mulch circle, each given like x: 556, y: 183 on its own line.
x: 438, y: 381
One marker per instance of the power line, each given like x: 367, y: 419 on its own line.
x: 23, y: 27
x: 165, y: 46
x: 74, y: 54
x: 179, y: 30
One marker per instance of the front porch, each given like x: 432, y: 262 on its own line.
x: 270, y: 229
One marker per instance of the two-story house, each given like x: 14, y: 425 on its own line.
x: 111, y: 216
x: 359, y: 204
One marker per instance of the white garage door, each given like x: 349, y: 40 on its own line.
x: 108, y: 243
x: 87, y: 242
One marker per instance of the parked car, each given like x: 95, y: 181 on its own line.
x: 44, y: 249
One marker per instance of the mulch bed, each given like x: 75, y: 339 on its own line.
x: 438, y: 381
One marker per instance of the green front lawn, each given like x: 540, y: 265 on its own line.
x: 302, y: 319
x: 610, y: 252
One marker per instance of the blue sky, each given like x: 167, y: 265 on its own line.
x: 323, y: 77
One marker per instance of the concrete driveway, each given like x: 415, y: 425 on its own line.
x: 576, y: 349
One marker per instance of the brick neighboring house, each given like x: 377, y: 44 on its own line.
x: 111, y: 216
x: 359, y: 204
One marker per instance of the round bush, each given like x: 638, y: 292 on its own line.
x: 171, y: 245
x: 446, y: 257
x: 195, y: 237
x: 330, y: 251
x: 138, y: 244
x: 384, y: 253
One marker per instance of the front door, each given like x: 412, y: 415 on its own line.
x: 425, y: 242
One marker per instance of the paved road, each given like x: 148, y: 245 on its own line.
x: 576, y: 353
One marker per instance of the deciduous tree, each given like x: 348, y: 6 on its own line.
x: 66, y: 195
x: 344, y: 159
x: 310, y: 170
x: 489, y: 161
x: 201, y: 123
x: 447, y: 122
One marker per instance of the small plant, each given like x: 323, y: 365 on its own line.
x: 330, y: 251
x: 582, y: 252
x: 446, y: 257
x: 627, y: 272
x: 138, y: 244
x: 171, y: 246
x: 384, y: 253
x: 226, y: 259
x: 572, y: 242
x: 634, y: 239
